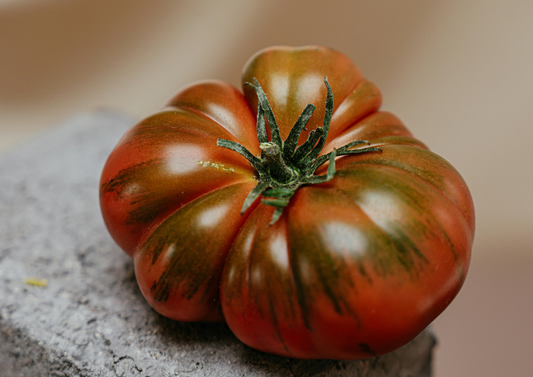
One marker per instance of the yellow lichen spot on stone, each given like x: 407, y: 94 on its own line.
x: 36, y: 282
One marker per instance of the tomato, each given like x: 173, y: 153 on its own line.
x: 339, y: 241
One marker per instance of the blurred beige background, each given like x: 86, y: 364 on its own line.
x: 459, y: 73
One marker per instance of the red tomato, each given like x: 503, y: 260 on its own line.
x: 342, y: 241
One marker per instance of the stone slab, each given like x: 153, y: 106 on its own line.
x: 89, y: 318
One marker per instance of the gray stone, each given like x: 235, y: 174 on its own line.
x: 90, y: 319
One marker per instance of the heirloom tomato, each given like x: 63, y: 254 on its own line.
x: 312, y: 223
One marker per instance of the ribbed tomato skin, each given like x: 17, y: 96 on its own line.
x: 354, y: 268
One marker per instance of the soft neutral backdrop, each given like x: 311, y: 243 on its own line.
x: 459, y: 73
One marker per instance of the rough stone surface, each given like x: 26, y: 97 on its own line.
x: 90, y: 319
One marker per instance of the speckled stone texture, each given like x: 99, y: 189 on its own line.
x: 90, y: 319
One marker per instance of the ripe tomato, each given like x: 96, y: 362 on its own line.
x: 342, y: 241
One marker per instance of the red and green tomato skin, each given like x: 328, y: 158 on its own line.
x: 354, y: 268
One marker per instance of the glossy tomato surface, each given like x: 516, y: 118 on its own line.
x: 354, y: 267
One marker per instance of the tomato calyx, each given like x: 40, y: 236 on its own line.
x: 283, y: 166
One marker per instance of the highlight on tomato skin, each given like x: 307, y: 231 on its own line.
x: 310, y: 221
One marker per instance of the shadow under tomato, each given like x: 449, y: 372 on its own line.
x: 283, y: 366
x: 206, y: 339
